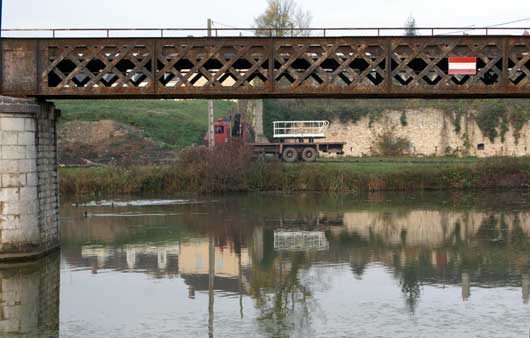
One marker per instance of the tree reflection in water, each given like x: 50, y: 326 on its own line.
x: 497, y: 254
x: 283, y: 294
x: 410, y: 285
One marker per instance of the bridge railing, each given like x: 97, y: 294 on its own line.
x: 242, y: 32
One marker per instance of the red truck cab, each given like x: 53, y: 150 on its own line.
x: 221, y: 130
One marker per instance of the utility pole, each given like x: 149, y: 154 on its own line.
x: 209, y: 27
x: 1, y: 19
x: 211, y: 132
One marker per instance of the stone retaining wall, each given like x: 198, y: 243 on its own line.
x: 431, y: 132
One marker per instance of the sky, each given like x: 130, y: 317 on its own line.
x: 241, y: 13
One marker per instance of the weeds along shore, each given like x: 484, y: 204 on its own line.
x: 227, y: 170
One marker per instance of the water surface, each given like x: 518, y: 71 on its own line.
x: 268, y: 265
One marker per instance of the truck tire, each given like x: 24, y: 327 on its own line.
x: 290, y: 155
x: 309, y: 154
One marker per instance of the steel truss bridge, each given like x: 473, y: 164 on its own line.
x: 373, y: 65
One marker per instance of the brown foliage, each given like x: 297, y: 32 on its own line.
x: 224, y: 168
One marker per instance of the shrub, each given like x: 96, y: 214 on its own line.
x: 503, y: 172
x: 225, y: 168
x: 518, y: 119
x: 489, y: 118
x: 229, y: 169
x: 389, y: 144
x: 458, y: 121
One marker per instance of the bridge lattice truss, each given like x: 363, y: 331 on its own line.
x: 274, y: 67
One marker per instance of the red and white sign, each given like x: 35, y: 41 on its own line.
x: 462, y: 66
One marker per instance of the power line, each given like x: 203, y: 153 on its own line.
x: 224, y: 25
x: 228, y: 26
x: 471, y: 27
x: 509, y: 23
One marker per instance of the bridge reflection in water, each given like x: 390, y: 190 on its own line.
x: 29, y: 298
x: 269, y: 252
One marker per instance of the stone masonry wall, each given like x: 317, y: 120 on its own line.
x: 48, y: 197
x: 28, y: 187
x: 431, y: 132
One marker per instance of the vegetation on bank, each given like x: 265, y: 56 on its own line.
x: 228, y: 171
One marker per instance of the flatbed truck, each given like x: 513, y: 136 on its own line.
x: 292, y: 140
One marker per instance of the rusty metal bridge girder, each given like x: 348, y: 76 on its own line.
x: 264, y: 67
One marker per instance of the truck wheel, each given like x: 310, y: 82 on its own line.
x: 290, y: 155
x: 309, y: 154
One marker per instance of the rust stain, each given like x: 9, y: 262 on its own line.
x: 256, y: 67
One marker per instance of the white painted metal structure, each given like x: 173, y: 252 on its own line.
x: 300, y: 240
x: 300, y: 129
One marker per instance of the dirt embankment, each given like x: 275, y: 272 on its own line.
x: 108, y: 142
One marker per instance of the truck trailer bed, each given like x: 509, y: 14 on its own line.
x: 292, y: 152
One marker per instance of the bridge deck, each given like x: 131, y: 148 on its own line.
x: 238, y: 67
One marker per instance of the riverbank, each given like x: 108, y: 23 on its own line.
x: 220, y: 173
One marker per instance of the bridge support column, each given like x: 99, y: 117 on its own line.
x: 29, y: 224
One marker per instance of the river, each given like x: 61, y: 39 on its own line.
x: 279, y: 265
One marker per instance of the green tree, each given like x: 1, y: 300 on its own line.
x: 410, y: 26
x: 283, y: 18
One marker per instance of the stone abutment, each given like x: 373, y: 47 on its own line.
x: 29, y: 224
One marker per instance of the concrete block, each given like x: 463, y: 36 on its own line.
x: 10, y: 325
x: 28, y: 207
x: 26, y: 138
x: 9, y: 195
x: 12, y: 208
x: 28, y: 193
x: 30, y: 125
x: 13, y: 152
x: 12, y: 124
x: 29, y: 223
x: 8, y: 166
x: 13, y: 180
x: 32, y: 179
x: 12, y: 236
x: 10, y: 222
x: 9, y: 138
x: 31, y: 152
x: 27, y: 166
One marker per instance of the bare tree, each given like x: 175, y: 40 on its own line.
x: 410, y: 26
x: 283, y: 18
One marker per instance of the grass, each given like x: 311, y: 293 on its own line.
x: 175, y: 123
x: 386, y: 165
x: 222, y: 171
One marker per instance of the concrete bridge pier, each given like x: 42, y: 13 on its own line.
x: 29, y: 224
